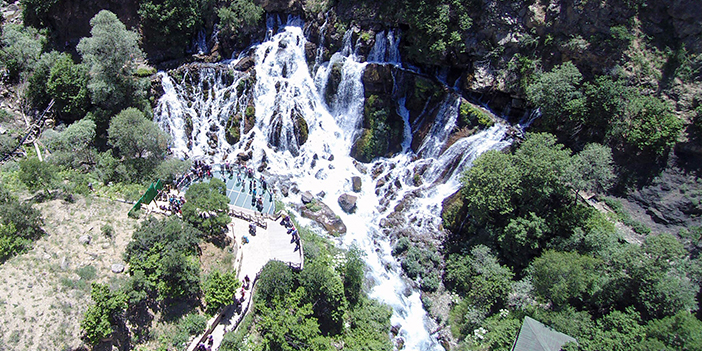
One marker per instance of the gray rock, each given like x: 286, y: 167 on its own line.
x: 285, y: 190
x: 356, y: 182
x: 117, y: 268
x: 307, y: 197
x: 85, y: 239
x: 347, y: 202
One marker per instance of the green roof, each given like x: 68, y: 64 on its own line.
x: 535, y: 336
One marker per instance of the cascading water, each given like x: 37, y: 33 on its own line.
x: 284, y: 93
x: 386, y: 48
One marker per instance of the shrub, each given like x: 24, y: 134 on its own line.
x: 219, y: 289
x: 401, y: 246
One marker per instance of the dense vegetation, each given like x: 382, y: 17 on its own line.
x: 525, y: 245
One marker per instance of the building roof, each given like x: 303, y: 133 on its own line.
x: 535, y: 336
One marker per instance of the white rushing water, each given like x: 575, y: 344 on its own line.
x: 286, y: 91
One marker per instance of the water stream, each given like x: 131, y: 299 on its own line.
x: 284, y: 92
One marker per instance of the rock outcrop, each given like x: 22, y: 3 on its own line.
x: 324, y: 216
x: 347, y: 202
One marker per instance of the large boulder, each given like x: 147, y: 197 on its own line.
x: 324, y: 216
x: 347, y: 202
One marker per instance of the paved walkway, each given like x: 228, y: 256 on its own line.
x: 271, y: 243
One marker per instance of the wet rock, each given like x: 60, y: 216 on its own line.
x: 356, y: 183
x: 306, y: 197
x: 294, y: 189
x: 243, y: 156
x: 395, y: 329
x: 347, y: 202
x: 331, y: 158
x: 244, y: 64
x: 262, y: 167
x: 117, y: 268
x: 321, y: 194
x: 325, y: 217
x: 360, y: 167
x: 85, y: 239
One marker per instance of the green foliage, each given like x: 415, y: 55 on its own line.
x: 139, y: 140
x: 275, y: 281
x: 593, y: 169
x: 478, y: 276
x: 471, y: 115
x: 207, y: 207
x: 20, y: 225
x: 21, y: 49
x: 562, y: 276
x: 88, y: 272
x: 36, y: 174
x: 73, y: 147
x: 380, y: 129
x: 36, y: 13
x: 558, y: 96
x: 37, y: 92
x: 7, y: 144
x: 219, y: 290
x: 490, y: 186
x: 68, y: 85
x: 111, y: 53
x: 239, y: 15
x: 99, y: 320
x: 354, y: 269
x: 171, y: 169
x: 402, y: 245
x: 649, y: 125
x: 171, y: 23
x: 422, y: 263
x: 288, y: 325
x: 164, y: 253
x: 325, y: 290
x: 679, y: 332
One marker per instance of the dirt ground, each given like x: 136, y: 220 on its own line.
x: 45, y: 292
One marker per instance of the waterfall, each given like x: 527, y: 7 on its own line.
x: 386, y: 48
x: 285, y: 95
x: 444, y: 123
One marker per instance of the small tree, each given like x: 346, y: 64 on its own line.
x: 36, y: 174
x: 219, y: 289
x: 206, y: 207
x: 21, y: 49
x: 101, y: 318
x: 68, y: 85
x: 137, y: 137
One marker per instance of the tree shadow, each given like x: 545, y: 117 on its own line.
x: 173, y: 310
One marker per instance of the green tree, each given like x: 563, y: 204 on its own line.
x: 679, y: 332
x: 21, y: 49
x: 354, y: 269
x: 206, y: 207
x: 288, y: 325
x: 74, y: 146
x: 592, y: 169
x: 557, y: 93
x: 325, y: 291
x: 68, y: 85
x: 649, y: 125
x: 111, y: 53
x: 275, y: 281
x: 171, y: 23
x: 543, y: 164
x: 164, y: 252
x: 37, y: 92
x: 220, y: 289
x: 239, y: 16
x: 101, y: 318
x: 36, y: 174
x: 137, y: 137
x: 478, y: 276
x: 20, y: 226
x: 563, y: 277
x: 490, y: 186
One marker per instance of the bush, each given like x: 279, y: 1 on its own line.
x: 219, y: 289
x: 99, y: 320
x: 21, y: 49
x: 401, y: 246
x: 87, y: 273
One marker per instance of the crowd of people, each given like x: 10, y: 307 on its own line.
x: 287, y: 223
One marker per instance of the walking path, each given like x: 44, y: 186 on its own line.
x: 271, y: 242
